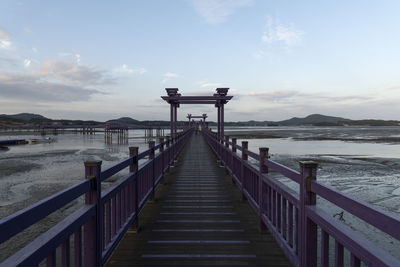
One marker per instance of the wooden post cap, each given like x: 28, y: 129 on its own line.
x: 133, y: 148
x: 93, y: 163
x: 308, y: 164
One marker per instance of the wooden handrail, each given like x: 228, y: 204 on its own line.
x: 294, y: 217
x: 118, y: 206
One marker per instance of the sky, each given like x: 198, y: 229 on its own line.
x: 108, y: 59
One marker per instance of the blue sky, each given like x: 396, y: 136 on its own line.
x: 107, y: 59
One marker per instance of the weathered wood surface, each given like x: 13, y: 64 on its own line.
x: 198, y: 219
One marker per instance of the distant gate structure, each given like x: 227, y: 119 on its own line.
x: 218, y: 100
x: 190, y: 117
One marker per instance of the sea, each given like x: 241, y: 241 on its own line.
x: 362, y: 161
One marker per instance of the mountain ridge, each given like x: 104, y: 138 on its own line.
x: 310, y: 120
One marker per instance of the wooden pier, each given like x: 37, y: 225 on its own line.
x: 198, y: 219
x: 176, y: 205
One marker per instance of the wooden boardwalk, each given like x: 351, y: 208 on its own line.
x: 198, y: 219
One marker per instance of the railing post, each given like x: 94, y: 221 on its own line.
x: 263, y: 169
x: 93, y: 229
x: 234, y: 140
x: 161, y: 141
x: 217, y: 147
x: 173, y: 141
x: 151, y: 157
x: 168, y: 152
x: 221, y: 149
x: 176, y: 149
x: 245, y: 146
x: 227, y: 141
x: 133, y: 168
x: 308, y: 236
x: 226, y: 154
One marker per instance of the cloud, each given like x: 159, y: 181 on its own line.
x: 125, y: 69
x: 64, y: 54
x: 75, y: 56
x: 78, y: 58
x: 283, y: 104
x: 5, y: 42
x: 296, y: 96
x: 168, y: 76
x: 27, y: 63
x: 204, y: 84
x: 276, y: 32
x: 171, y: 75
x: 70, y: 73
x: 55, y: 81
x: 7, y: 61
x: 30, y: 87
x: 217, y: 11
x: 274, y: 95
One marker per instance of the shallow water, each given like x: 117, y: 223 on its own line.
x: 25, y: 168
x: 368, y: 170
x: 367, y: 167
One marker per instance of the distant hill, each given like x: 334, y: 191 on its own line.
x: 24, y: 117
x: 313, y: 120
x: 126, y: 120
x: 322, y: 120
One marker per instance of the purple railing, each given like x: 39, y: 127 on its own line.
x: 295, y: 219
x: 98, y: 226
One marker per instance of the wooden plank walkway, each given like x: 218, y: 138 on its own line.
x: 198, y: 219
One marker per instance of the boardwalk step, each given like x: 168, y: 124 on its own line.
x: 198, y: 220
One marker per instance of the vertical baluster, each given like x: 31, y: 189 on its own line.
x: 284, y: 218
x: 171, y: 154
x: 263, y: 152
x: 65, y: 255
x: 167, y: 154
x: 309, y: 236
x: 92, y: 228
x: 290, y: 224
x: 152, y: 177
x: 114, y: 216
x: 278, y: 211
x: 103, y: 231
x: 234, y: 172
x: 339, y: 254
x: 123, y: 199
x: 108, y: 222
x: 78, y: 248
x: 296, y: 230
x: 324, y: 249
x: 119, y: 208
x: 270, y: 203
x: 51, y: 259
x: 175, y: 148
x: 133, y: 168
x: 126, y: 202
x: 130, y: 198
x: 226, y: 156
x: 274, y: 207
x: 161, y: 165
x: 242, y: 178
x: 354, y: 261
